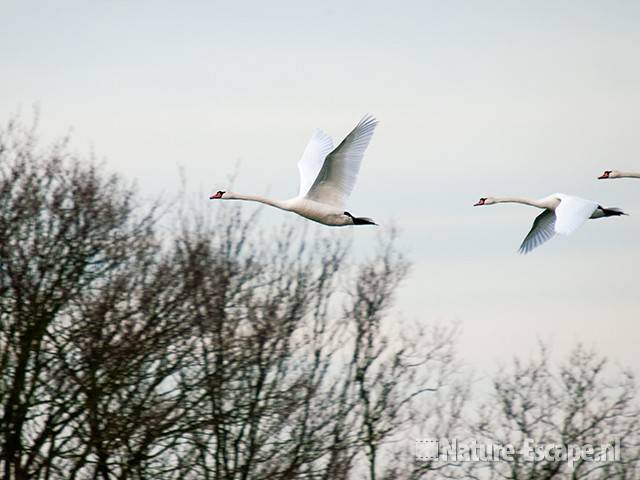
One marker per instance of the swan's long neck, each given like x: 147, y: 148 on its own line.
x: 629, y: 175
x: 524, y: 201
x: 260, y: 199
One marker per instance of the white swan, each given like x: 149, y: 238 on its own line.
x: 562, y: 214
x: 618, y: 174
x: 327, y: 177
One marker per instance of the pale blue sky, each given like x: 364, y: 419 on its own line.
x: 473, y: 98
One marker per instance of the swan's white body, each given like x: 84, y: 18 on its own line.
x: 318, y: 212
x: 562, y: 214
x: 618, y: 174
x: 327, y: 178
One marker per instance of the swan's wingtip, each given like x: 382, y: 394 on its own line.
x: 369, y: 119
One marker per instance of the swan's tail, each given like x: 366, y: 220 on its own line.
x: 363, y: 221
x: 360, y: 220
x: 613, y: 212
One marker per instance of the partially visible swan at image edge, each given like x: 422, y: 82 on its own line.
x: 562, y: 214
x: 618, y: 174
x: 327, y: 178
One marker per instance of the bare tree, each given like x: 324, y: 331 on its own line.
x: 296, y: 386
x: 579, y: 403
x: 215, y: 350
x: 89, y: 329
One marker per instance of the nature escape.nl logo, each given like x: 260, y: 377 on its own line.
x: 452, y: 450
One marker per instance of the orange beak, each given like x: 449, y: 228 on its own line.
x: 604, y: 175
x: 215, y: 195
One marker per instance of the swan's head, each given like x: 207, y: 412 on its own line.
x: 609, y: 174
x: 485, y: 201
x: 221, y: 194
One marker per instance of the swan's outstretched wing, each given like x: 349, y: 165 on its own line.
x: 542, y: 230
x: 339, y: 172
x: 319, y: 146
x: 572, y: 213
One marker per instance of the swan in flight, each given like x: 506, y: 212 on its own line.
x: 327, y: 177
x: 562, y: 214
x: 618, y: 174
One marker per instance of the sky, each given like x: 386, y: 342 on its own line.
x: 474, y: 99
